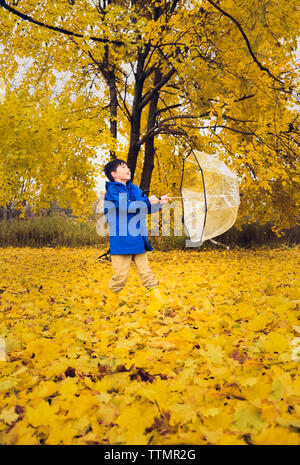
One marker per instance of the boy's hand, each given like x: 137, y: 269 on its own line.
x: 154, y: 200
x: 165, y: 198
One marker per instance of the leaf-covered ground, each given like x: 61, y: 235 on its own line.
x: 215, y: 367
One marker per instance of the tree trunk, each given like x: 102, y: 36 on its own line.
x: 134, y: 146
x: 135, y: 134
x: 149, y: 144
x: 109, y: 76
x: 113, y: 108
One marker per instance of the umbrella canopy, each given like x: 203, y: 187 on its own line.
x: 210, y: 196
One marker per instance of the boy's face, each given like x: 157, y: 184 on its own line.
x: 122, y: 173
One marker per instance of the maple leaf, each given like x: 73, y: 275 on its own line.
x: 60, y: 433
x: 239, y: 356
x: 162, y: 425
x: 43, y: 415
x: 68, y: 388
x: 276, y: 342
x: 275, y: 435
x: 248, y: 419
x: 142, y: 375
x: 182, y: 413
x: 8, y: 415
x: 7, y: 384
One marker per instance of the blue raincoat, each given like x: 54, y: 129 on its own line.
x: 125, y: 209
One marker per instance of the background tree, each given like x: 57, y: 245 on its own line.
x: 216, y: 76
x: 47, y: 152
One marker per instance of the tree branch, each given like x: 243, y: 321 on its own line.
x: 185, y: 117
x: 263, y: 68
x: 220, y: 126
x: 127, y: 112
x: 168, y: 108
x: 174, y: 4
x: 149, y: 95
x: 25, y: 17
x: 147, y: 73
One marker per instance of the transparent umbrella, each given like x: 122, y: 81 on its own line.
x: 210, y: 197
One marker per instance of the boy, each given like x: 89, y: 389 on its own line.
x: 125, y: 209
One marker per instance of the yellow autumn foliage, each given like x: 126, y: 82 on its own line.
x: 218, y: 365
x: 229, y: 86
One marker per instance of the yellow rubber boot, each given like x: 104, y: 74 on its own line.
x: 156, y: 299
x: 112, y: 300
